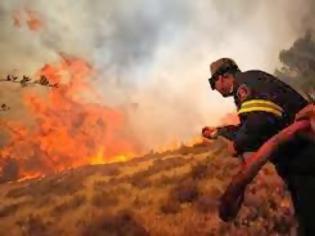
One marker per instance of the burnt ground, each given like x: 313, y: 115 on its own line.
x: 173, y: 193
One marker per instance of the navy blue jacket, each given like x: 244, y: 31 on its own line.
x: 265, y: 105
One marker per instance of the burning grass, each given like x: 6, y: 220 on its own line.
x: 68, y: 129
x: 56, y: 185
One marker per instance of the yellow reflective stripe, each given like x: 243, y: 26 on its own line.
x: 267, y: 106
x: 265, y: 109
x: 260, y: 105
x: 260, y: 102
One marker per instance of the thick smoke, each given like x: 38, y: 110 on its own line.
x: 151, y: 56
x: 299, y: 65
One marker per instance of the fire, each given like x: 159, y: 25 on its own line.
x: 69, y: 130
x: 31, y: 19
x: 99, y: 158
x: 29, y: 175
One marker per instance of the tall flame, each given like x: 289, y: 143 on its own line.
x: 70, y: 130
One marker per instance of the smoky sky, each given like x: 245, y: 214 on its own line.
x: 154, y: 54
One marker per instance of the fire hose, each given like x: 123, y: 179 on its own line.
x: 232, y: 199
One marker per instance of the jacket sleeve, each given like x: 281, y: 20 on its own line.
x: 255, y: 129
x: 229, y: 131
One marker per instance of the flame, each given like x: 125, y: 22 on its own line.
x: 99, y: 158
x: 31, y: 19
x: 29, y: 175
x: 69, y: 130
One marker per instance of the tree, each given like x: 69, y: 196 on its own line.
x: 299, y: 65
x: 25, y: 82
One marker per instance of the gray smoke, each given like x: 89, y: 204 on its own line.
x: 299, y: 65
x: 152, y: 56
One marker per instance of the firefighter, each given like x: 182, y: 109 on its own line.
x: 265, y: 105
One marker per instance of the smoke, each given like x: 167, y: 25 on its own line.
x: 299, y: 65
x: 151, y: 56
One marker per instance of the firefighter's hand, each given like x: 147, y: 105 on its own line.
x: 209, y: 132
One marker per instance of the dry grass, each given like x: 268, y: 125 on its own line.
x: 103, y: 199
x: 200, y: 170
x: 185, y: 191
x: 69, y: 205
x: 141, y: 179
x: 206, y: 204
x: 34, y: 225
x: 8, y: 210
x: 121, y: 224
x: 170, y: 206
x: 57, y: 185
x: 174, y: 193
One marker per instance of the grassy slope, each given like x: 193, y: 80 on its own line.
x: 173, y: 193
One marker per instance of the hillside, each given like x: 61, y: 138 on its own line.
x: 173, y: 193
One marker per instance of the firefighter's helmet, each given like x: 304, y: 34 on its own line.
x: 221, y: 66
